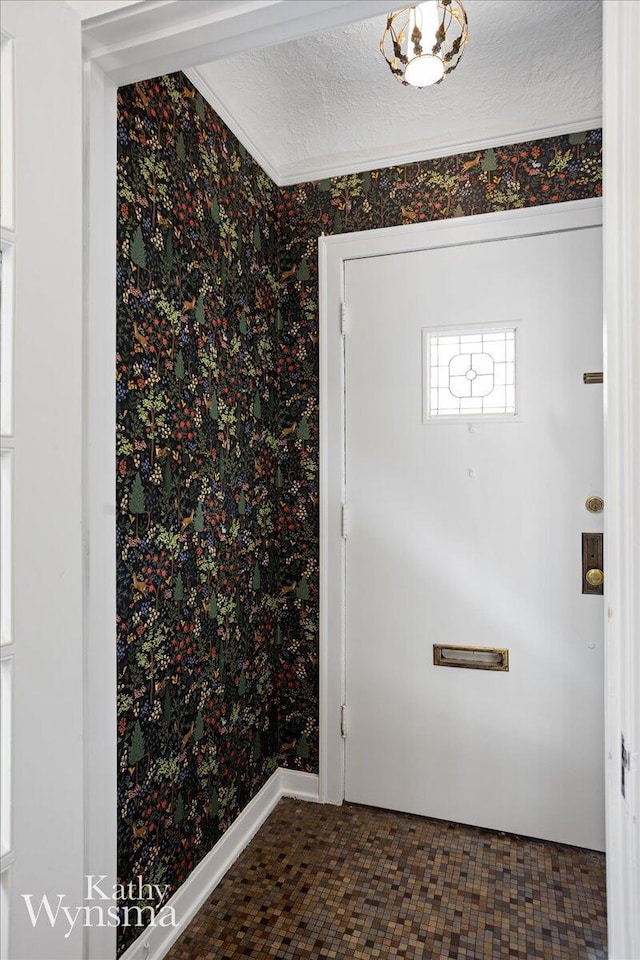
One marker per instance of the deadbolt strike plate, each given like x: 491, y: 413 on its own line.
x: 592, y: 559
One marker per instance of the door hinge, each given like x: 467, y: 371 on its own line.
x: 625, y: 765
x: 343, y: 720
x: 345, y: 521
x: 344, y: 316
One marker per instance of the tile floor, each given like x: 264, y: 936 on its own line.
x: 357, y: 883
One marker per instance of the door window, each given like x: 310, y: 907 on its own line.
x: 469, y: 372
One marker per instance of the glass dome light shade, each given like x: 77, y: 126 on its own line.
x: 422, y: 44
x: 423, y: 67
x: 423, y: 71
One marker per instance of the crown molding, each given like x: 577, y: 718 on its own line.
x: 323, y: 168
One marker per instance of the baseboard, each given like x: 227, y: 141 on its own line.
x: 302, y: 786
x: 155, y: 942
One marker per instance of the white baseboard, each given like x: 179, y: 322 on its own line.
x: 155, y: 942
x: 302, y: 786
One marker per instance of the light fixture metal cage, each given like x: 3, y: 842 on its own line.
x: 449, y: 40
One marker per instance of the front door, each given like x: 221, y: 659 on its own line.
x: 472, y: 446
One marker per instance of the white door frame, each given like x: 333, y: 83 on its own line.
x: 622, y: 466
x: 333, y: 254
x: 146, y: 40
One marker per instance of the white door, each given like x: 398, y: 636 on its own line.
x: 466, y: 496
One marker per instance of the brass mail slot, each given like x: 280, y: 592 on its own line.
x: 471, y: 658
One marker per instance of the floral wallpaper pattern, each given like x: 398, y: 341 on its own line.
x: 196, y: 480
x: 217, y: 447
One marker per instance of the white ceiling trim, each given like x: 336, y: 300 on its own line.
x: 373, y: 160
x: 290, y: 174
x: 155, y: 37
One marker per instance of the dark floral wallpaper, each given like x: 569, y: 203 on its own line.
x: 217, y: 485
x: 196, y: 480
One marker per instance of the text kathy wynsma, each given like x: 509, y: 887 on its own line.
x: 133, y: 904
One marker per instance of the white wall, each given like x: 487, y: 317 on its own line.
x: 48, y: 784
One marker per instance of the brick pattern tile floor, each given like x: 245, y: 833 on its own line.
x: 357, y: 883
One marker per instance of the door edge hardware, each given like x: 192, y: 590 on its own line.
x: 592, y: 564
x: 344, y: 318
x: 344, y: 522
x: 625, y: 765
x: 594, y: 504
x: 343, y: 720
x: 470, y: 658
x: 592, y: 377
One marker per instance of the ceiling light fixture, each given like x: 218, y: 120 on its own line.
x: 425, y: 42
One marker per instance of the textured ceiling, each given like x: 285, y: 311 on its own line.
x: 328, y: 103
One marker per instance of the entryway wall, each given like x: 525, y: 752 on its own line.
x: 218, y: 459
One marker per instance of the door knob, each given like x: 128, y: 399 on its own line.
x: 594, y: 577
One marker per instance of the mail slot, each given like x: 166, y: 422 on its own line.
x: 471, y: 658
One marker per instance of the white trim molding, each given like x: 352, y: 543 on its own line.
x: 333, y: 252
x: 622, y: 469
x: 300, y: 785
x: 99, y: 508
x: 160, y: 36
x: 155, y: 942
x: 321, y: 168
